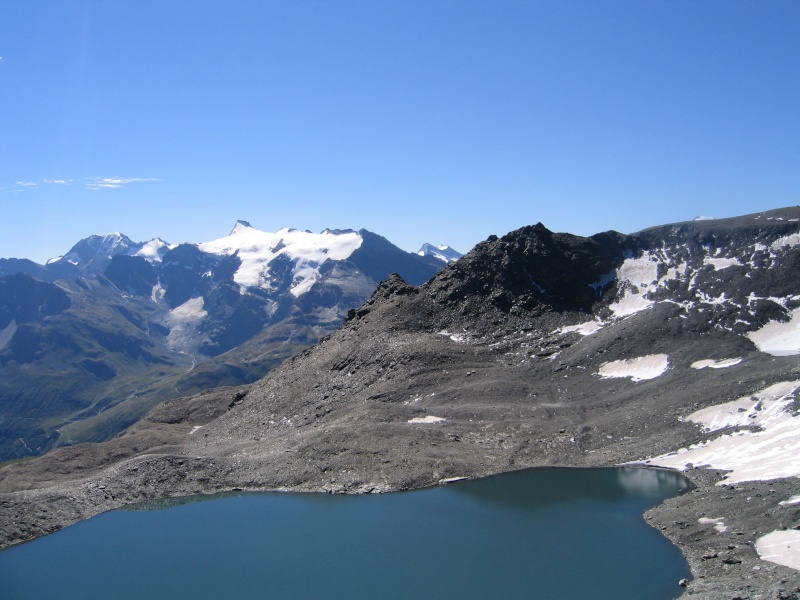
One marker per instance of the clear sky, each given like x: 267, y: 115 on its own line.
x: 424, y: 121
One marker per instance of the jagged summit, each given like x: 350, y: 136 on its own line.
x: 240, y: 226
x: 99, y: 245
x: 442, y: 252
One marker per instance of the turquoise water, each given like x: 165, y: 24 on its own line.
x: 541, y: 533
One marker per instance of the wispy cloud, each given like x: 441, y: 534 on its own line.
x: 27, y: 184
x: 99, y: 183
x: 58, y: 181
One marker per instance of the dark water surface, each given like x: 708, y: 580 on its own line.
x: 541, y: 533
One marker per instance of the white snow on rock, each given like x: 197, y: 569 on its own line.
x: 307, y: 251
x: 630, y: 304
x: 792, y: 500
x: 183, y: 322
x: 7, y: 333
x: 779, y: 339
x: 587, y: 328
x: 702, y: 218
x: 428, y: 420
x: 718, y: 523
x: 458, y: 338
x: 157, y: 293
x: 636, y: 279
x: 769, y: 453
x: 720, y: 263
x: 787, y: 240
x: 780, y: 547
x: 707, y: 299
x: 638, y: 369
x: 716, y: 364
x: 153, y: 250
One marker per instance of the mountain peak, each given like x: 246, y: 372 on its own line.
x: 442, y: 252
x: 240, y: 226
x: 152, y: 251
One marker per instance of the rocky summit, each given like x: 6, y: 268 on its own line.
x: 673, y: 347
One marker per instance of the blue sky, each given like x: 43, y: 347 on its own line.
x: 433, y: 121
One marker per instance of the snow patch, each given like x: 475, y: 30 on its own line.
x: 183, y: 322
x: 702, y: 218
x: 157, y: 293
x: 780, y: 547
x: 716, y: 364
x: 630, y: 304
x: 637, y: 278
x: 706, y: 299
x: 721, y: 263
x: 638, y: 369
x: 458, y: 338
x: 153, y: 251
x: 769, y: 453
x: 779, y: 339
x: 7, y: 333
x: 642, y: 271
x: 718, y: 523
x: 587, y: 328
x: 787, y: 240
x: 428, y: 420
x: 792, y: 500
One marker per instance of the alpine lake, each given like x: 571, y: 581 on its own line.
x: 536, y: 534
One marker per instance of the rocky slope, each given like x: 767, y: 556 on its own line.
x: 534, y: 349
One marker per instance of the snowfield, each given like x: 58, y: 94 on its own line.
x: 257, y: 249
x: 750, y: 455
x: 779, y: 339
x: 183, y: 322
x: 781, y: 547
x: 429, y: 420
x: 716, y: 364
x: 587, y: 328
x: 153, y: 250
x: 638, y: 369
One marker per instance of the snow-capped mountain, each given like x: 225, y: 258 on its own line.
x: 257, y: 251
x: 92, y: 254
x: 152, y: 251
x: 95, y: 247
x: 189, y: 315
x: 440, y: 252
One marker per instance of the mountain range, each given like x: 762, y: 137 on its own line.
x: 674, y: 347
x: 93, y: 339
